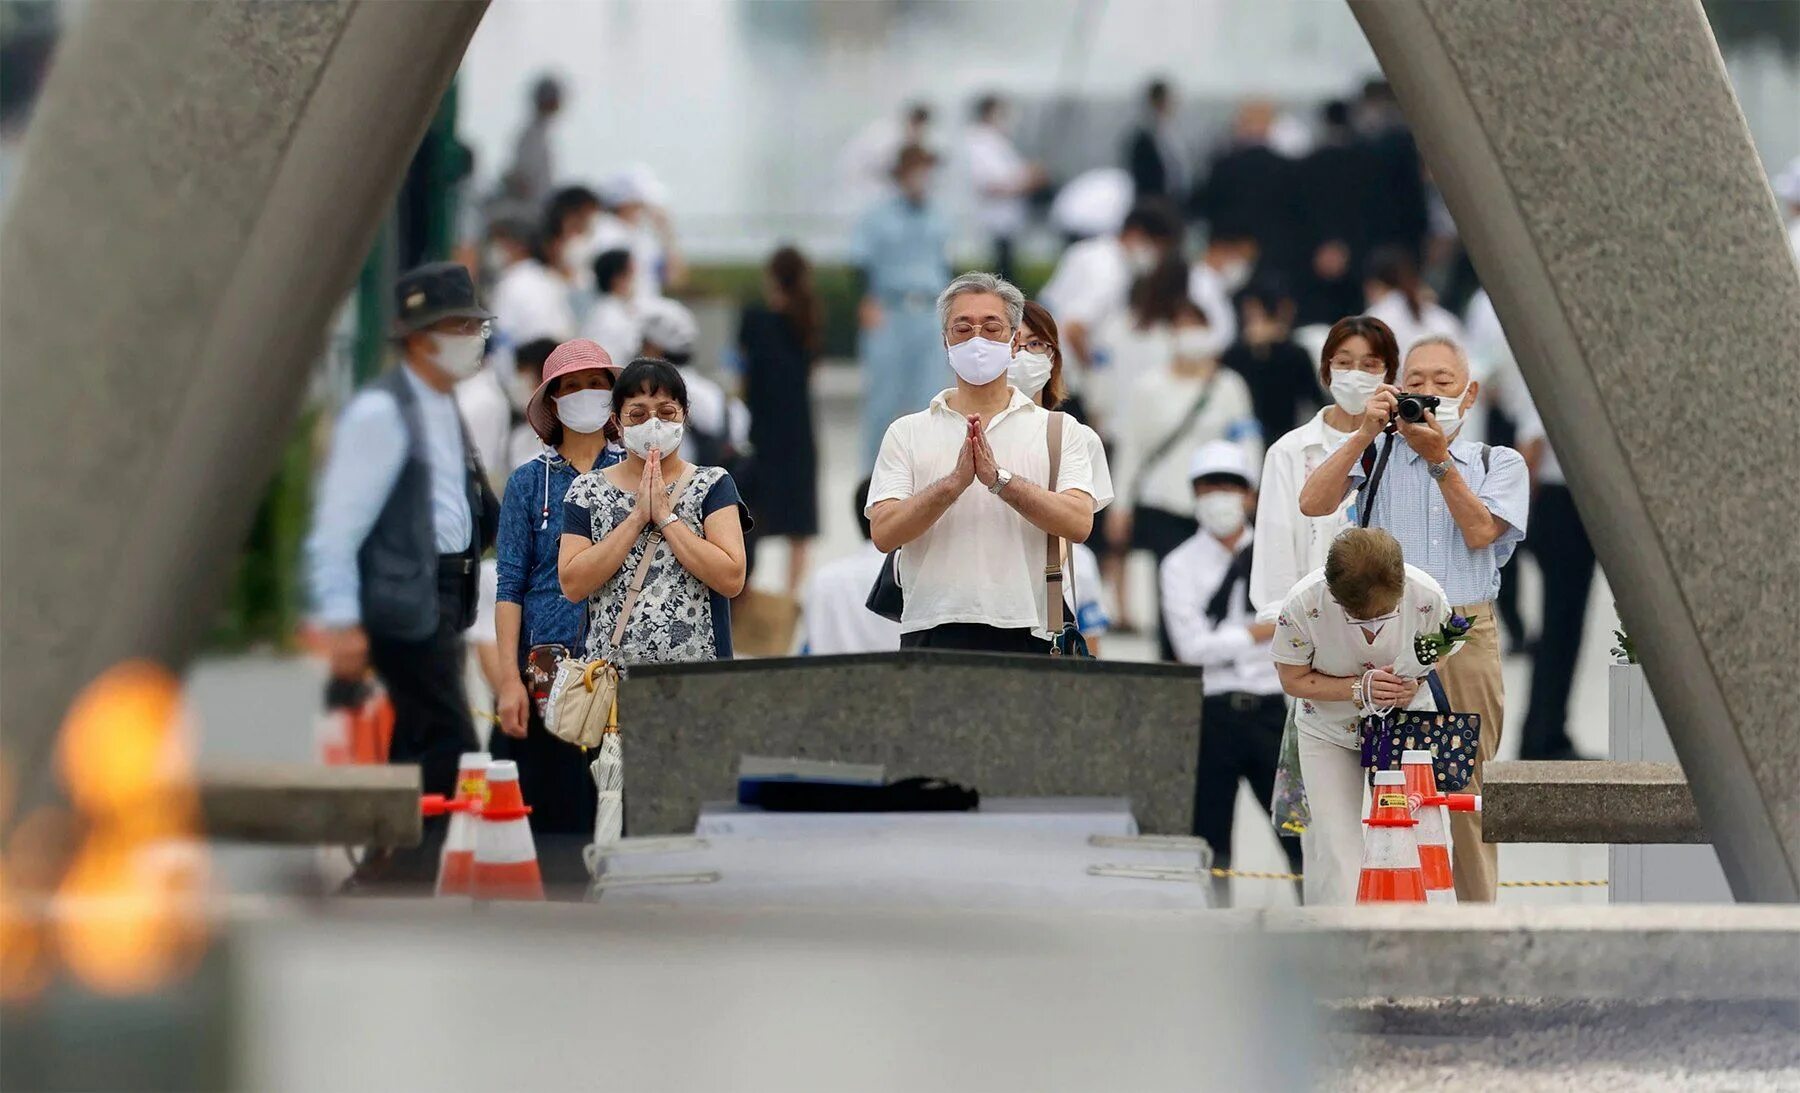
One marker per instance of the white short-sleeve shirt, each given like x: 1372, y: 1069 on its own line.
x: 981, y: 562
x: 1313, y: 630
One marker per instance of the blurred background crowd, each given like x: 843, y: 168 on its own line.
x: 766, y: 192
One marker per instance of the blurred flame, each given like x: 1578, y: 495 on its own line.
x: 125, y: 869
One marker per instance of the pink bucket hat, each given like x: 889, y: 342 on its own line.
x: 580, y: 355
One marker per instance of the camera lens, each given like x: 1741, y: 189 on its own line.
x: 1411, y: 409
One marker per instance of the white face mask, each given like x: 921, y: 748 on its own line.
x: 1235, y: 273
x: 664, y: 436
x: 1029, y: 372
x: 459, y: 355
x: 584, y: 411
x: 1449, y: 412
x: 1198, y: 343
x: 1221, y: 513
x: 1351, y: 388
x: 979, y: 361
x: 1140, y: 259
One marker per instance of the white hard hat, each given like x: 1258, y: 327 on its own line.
x: 669, y: 324
x: 1217, y: 457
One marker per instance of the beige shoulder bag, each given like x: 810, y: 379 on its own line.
x: 584, y: 699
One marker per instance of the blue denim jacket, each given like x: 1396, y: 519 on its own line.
x: 530, y: 533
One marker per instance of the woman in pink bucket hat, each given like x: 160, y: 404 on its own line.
x: 533, y: 621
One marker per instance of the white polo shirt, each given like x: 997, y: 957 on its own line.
x: 1313, y: 630
x: 981, y: 562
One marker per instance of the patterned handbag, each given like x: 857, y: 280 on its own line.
x: 1451, y: 738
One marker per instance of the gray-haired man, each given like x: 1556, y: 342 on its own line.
x: 973, y: 567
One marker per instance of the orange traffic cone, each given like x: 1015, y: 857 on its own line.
x: 1390, y: 865
x: 1434, y: 829
x: 505, y: 858
x: 457, y: 863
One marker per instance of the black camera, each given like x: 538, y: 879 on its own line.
x: 1415, y: 408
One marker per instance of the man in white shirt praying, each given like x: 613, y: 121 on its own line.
x: 973, y: 567
x: 1210, y: 622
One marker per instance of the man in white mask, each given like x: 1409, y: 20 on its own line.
x: 964, y: 486
x: 404, y: 514
x: 1209, y: 620
x: 1458, y: 509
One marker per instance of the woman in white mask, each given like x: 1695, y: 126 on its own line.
x: 689, y: 521
x: 1037, y: 371
x: 1360, y: 355
x: 534, y: 624
x: 1170, y: 411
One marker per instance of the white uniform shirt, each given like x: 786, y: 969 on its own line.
x: 994, y: 164
x: 1160, y: 403
x: 1207, y: 288
x: 1189, y: 578
x: 1090, y: 284
x: 1391, y: 309
x: 981, y: 562
x: 613, y: 323
x: 1313, y: 630
x: 1289, y: 545
x: 838, y: 619
x: 487, y: 414
x: 531, y: 301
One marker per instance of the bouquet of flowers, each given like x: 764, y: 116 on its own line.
x: 1430, y: 647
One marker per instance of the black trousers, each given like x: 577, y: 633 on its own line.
x: 975, y: 636
x: 1003, y: 256
x: 1567, y: 559
x: 1240, y: 738
x: 557, y: 784
x: 432, y: 727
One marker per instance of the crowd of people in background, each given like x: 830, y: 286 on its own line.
x: 1203, y: 382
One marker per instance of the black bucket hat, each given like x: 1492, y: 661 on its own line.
x: 438, y: 290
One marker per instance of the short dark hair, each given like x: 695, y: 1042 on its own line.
x: 533, y: 354
x: 546, y: 94
x: 1154, y: 218
x: 609, y: 267
x: 1158, y: 92
x: 1336, y: 113
x: 1372, y: 330
x: 986, y: 105
x: 918, y: 113
x: 1268, y: 289
x: 646, y: 376
x: 568, y: 202
x: 862, y: 518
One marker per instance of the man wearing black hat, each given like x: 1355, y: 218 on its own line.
x: 403, y: 516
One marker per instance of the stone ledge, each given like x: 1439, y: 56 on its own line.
x: 1588, y: 802
x: 309, y: 803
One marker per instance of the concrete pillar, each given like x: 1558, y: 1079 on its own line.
x: 1604, y: 181
x: 201, y: 182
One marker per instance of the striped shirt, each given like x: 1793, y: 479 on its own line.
x: 1410, y: 506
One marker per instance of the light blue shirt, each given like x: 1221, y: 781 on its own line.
x: 368, y: 452
x: 1410, y: 505
x: 902, y: 248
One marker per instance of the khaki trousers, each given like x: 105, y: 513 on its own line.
x: 1474, y: 684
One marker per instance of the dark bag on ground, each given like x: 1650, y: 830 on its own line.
x: 906, y: 795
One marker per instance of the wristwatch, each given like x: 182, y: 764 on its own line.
x: 1001, y: 478
x: 1437, y: 471
x: 666, y: 521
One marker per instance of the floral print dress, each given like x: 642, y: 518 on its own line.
x: 677, y: 617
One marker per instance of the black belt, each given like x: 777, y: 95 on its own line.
x: 456, y: 565
x: 1244, y: 701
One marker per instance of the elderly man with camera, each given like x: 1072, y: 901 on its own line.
x: 1458, y: 509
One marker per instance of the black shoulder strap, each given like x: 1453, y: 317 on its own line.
x: 1168, y: 442
x: 1485, y: 453
x: 1238, y: 572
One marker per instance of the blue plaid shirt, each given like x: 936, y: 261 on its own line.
x: 1411, y: 507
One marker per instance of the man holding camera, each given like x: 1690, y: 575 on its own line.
x: 1458, y: 509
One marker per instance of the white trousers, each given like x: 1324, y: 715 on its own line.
x: 1331, y: 848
